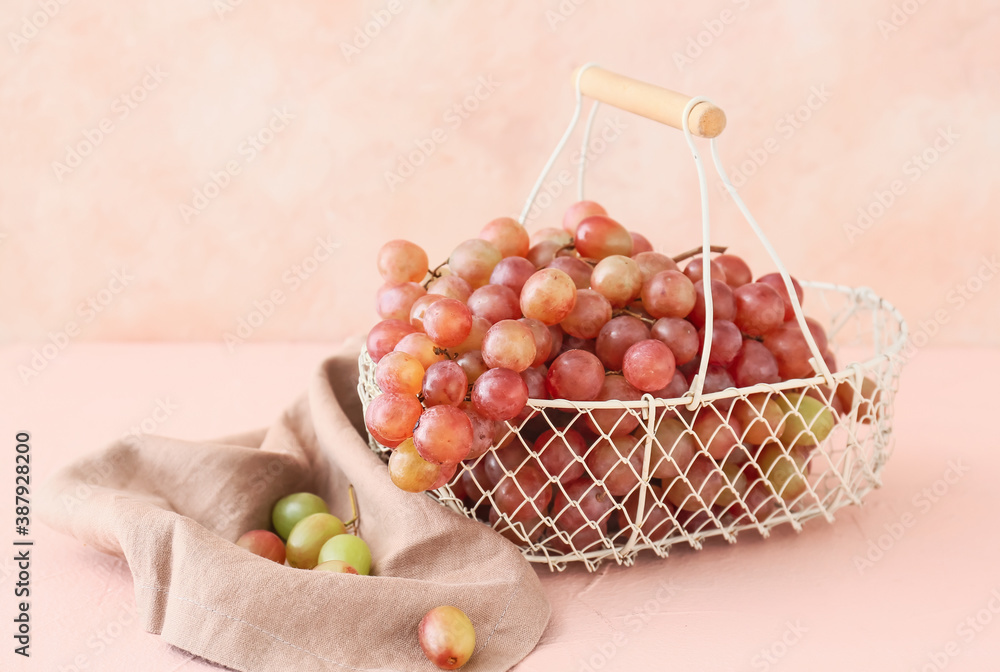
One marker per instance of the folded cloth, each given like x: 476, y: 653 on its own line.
x: 174, y: 508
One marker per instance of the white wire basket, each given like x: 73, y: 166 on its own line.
x: 684, y: 470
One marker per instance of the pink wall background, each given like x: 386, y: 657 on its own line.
x: 170, y: 92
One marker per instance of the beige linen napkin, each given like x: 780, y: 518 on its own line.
x: 174, y: 508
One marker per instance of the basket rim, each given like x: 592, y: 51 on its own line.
x: 853, y: 371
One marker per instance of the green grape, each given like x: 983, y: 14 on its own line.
x: 308, y: 536
x: 350, y: 549
x: 289, y: 510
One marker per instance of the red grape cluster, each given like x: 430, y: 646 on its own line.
x: 587, y: 313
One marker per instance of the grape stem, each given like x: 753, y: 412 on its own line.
x: 354, y: 509
x: 435, y: 273
x: 718, y: 249
x: 631, y: 313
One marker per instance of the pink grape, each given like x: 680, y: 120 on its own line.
x: 499, y: 394
x: 443, y: 435
x: 534, y: 378
x: 790, y: 349
x: 457, y: 485
x: 668, y: 294
x: 557, y: 341
x: 726, y: 342
x: 384, y: 336
x: 591, y: 312
x: 703, y: 482
x: 617, y: 462
x: 448, y: 470
x: 649, y: 365
x: 483, y: 430
x: 576, y: 375
x: 495, y: 303
x: 419, y: 307
x: 574, y: 343
x: 618, y: 279
x: 578, y: 212
x: 476, y: 481
x: 695, y: 270
x: 717, y: 379
x: 393, y: 415
x: 523, y: 496
x: 735, y: 269
x: 444, y: 383
x: 760, y: 416
x: 508, y: 236
x: 674, y: 449
x: 831, y: 361
x: 474, y: 341
x: 421, y: 347
x: 508, y: 459
x: 543, y: 339
x: 778, y: 284
x: 393, y: 302
x: 575, y: 268
x: 723, y: 303
x: 447, y: 322
x: 868, y: 398
x: 656, y: 523
x: 562, y: 456
x: 264, y: 543
x: 451, y: 286
x: 399, y: 372
x: 677, y: 386
x: 401, y: 261
x: 551, y: 233
x: 542, y: 254
x: 716, y: 435
x: 510, y: 345
x: 584, y: 503
x: 754, y: 364
x: 513, y: 272
x: 382, y: 440
x: 759, y: 308
x: 614, y: 421
x: 616, y: 337
x: 410, y: 472
x: 651, y: 263
x: 472, y: 364
x: 640, y: 243
x: 679, y: 335
x: 599, y: 236
x: 516, y: 533
x: 548, y: 296
x: 474, y: 261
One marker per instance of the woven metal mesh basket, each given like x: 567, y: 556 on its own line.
x: 665, y: 471
x: 722, y: 486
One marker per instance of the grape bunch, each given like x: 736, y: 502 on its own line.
x: 586, y: 312
x: 309, y: 537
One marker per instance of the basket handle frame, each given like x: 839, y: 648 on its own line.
x: 642, y: 98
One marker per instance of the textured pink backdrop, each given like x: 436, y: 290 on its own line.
x: 170, y: 92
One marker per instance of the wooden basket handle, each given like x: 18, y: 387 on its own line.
x: 650, y: 101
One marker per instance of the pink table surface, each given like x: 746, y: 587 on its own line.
x: 794, y: 601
